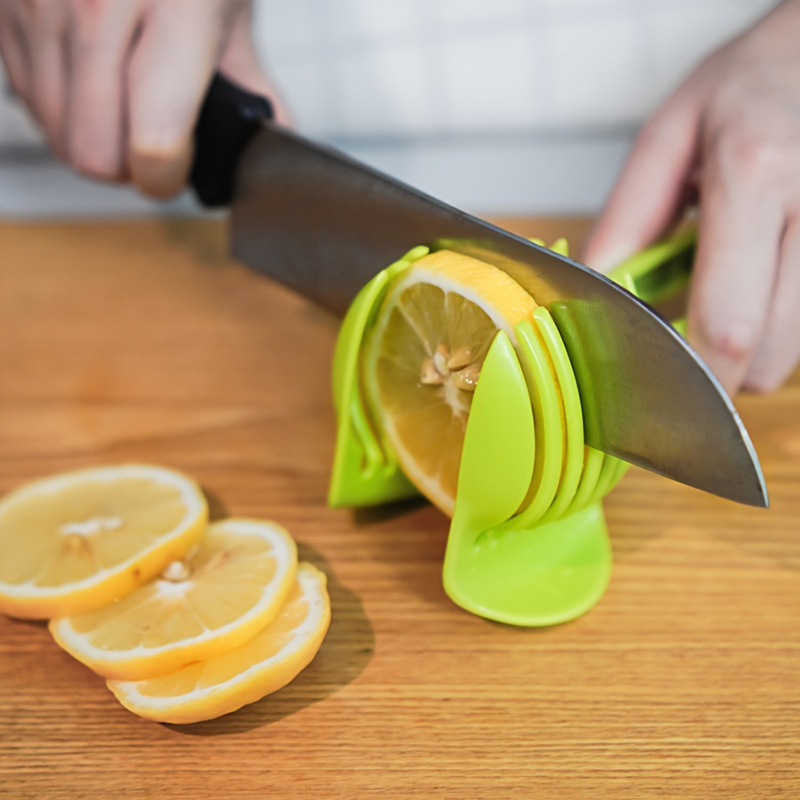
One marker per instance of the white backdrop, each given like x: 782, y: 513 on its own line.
x: 498, y: 106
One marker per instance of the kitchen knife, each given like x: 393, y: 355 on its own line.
x: 323, y: 224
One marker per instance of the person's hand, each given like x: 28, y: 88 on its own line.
x: 117, y: 84
x: 730, y: 135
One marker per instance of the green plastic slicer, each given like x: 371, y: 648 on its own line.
x: 528, y: 543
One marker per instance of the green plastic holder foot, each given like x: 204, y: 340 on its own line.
x: 567, y: 568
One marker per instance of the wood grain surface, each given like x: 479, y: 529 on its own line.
x: 143, y: 342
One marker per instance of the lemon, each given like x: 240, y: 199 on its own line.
x: 214, y: 599
x: 274, y: 657
x: 79, y: 540
x: 423, y: 356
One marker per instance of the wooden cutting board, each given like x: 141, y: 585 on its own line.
x: 143, y: 342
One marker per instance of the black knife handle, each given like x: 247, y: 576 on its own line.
x: 229, y: 118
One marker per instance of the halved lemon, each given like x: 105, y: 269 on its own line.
x: 263, y: 665
x: 423, y: 357
x: 216, y: 598
x: 79, y: 540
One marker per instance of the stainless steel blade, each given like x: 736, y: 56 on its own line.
x: 324, y: 224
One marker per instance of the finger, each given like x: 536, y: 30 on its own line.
x: 15, y: 57
x: 741, y: 221
x: 48, y: 76
x: 779, y: 351
x: 650, y: 192
x: 168, y: 76
x: 99, y: 40
x: 240, y: 63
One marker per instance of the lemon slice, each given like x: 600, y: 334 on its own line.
x: 79, y: 540
x: 227, y: 682
x: 423, y: 357
x: 216, y: 598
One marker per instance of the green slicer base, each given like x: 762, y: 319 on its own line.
x: 528, y: 543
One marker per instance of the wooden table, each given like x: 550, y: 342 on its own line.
x: 143, y: 342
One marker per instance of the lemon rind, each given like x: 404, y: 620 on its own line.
x: 254, y: 683
x: 26, y: 600
x: 145, y: 662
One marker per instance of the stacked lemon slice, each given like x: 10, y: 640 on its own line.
x: 186, y: 620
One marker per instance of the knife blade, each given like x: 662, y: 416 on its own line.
x: 324, y: 224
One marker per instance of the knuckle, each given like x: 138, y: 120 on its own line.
x: 754, y: 156
x: 88, y: 21
x: 38, y: 9
x: 83, y: 8
x: 94, y: 162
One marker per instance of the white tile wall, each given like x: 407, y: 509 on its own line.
x: 392, y: 94
x: 458, y: 15
x: 577, y: 64
x: 679, y: 34
x: 473, y: 99
x: 495, y: 105
x: 587, y: 56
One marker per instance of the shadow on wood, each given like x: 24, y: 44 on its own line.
x: 372, y: 515
x: 346, y: 651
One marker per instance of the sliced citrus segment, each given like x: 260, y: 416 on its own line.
x: 79, y: 540
x: 226, y: 589
x: 227, y: 682
x: 423, y: 357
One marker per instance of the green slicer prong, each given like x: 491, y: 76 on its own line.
x: 365, y: 470
x: 573, y: 416
x: 548, y: 417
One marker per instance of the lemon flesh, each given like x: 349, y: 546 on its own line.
x: 80, y: 540
x: 266, y: 663
x: 422, y: 360
x: 232, y: 584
